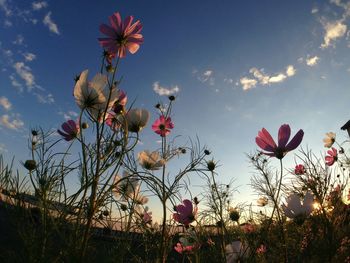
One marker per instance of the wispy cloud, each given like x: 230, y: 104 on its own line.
x: 165, y: 91
x: 39, y: 5
x: 4, y: 6
x: 29, y: 56
x: 51, y: 24
x: 206, y: 76
x: 7, y: 23
x: 333, y: 31
x: 3, y: 148
x: 260, y: 77
x: 15, y: 83
x: 312, y: 61
x: 19, y: 40
x: 25, y: 73
x: 314, y: 10
x: 5, y: 103
x: 70, y: 115
x: 45, y: 99
x: 14, y: 122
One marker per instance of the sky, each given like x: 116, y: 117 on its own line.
x: 234, y: 67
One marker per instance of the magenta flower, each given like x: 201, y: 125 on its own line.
x: 265, y: 141
x: 332, y: 157
x: 184, y: 249
x: 113, y: 120
x: 185, y: 213
x: 299, y: 169
x: 122, y: 36
x: 70, y: 130
x: 162, y: 126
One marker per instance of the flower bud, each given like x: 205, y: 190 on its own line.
x: 30, y: 165
x: 206, y: 152
x: 171, y: 98
x: 84, y: 125
x: 234, y: 214
x: 123, y: 207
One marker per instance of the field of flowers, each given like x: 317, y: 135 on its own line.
x: 304, y: 211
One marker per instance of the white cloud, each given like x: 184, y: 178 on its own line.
x: 5, y: 103
x: 50, y: 24
x: 314, y: 10
x: 260, y: 77
x: 290, y: 71
x: 45, y: 99
x: 4, y: 6
x: 70, y: 115
x: 277, y: 78
x: 7, y: 23
x: 39, y: 5
x: 25, y: 73
x: 312, y: 61
x: 16, y: 84
x: 29, y: 56
x: 206, y: 76
x: 333, y: 31
x: 14, y: 124
x: 247, y: 83
x: 164, y: 91
x: 19, y: 40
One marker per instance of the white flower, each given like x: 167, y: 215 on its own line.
x: 93, y: 95
x: 137, y: 119
x: 236, y: 251
x: 329, y: 139
x: 150, y: 160
x: 128, y: 187
x: 294, y: 207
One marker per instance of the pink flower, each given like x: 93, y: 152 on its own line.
x: 113, y: 121
x: 70, y: 130
x: 247, y: 228
x: 162, y: 126
x: 265, y: 141
x: 332, y: 157
x: 122, y: 36
x: 261, y: 250
x: 147, y: 217
x: 299, y: 169
x: 183, y: 249
x: 185, y: 214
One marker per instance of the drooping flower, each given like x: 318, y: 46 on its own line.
x: 150, y: 160
x: 95, y: 96
x: 332, y: 157
x: 265, y: 141
x: 329, y: 139
x: 70, y: 130
x: 185, y: 213
x: 162, y: 126
x: 137, y: 119
x: 299, y: 169
x: 262, y: 201
x: 294, y: 207
x: 236, y: 251
x: 122, y: 36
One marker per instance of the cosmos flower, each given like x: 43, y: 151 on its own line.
x: 93, y: 95
x: 262, y: 201
x: 294, y: 207
x: 261, y: 250
x: 185, y: 213
x: 70, y: 130
x: 147, y: 216
x: 236, y: 251
x: 121, y: 35
x: 329, y: 139
x: 113, y: 120
x: 179, y: 248
x: 332, y: 157
x: 137, y: 119
x: 162, y: 126
x: 128, y: 188
x: 265, y: 141
x: 346, y: 127
x: 150, y: 160
x: 299, y: 169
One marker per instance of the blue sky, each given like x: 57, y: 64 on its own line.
x: 237, y: 66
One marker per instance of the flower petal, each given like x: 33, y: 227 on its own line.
x: 294, y: 143
x: 283, y: 135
